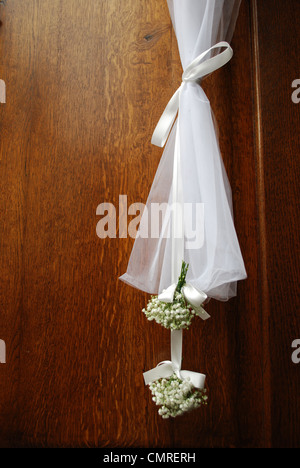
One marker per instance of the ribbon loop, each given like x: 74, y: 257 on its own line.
x: 168, y: 294
x: 192, y: 295
x: 196, y: 299
x: 163, y: 370
x: 197, y: 70
x: 166, y: 369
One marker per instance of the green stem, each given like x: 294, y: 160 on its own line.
x: 181, y: 279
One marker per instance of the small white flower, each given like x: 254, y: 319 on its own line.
x: 176, y: 396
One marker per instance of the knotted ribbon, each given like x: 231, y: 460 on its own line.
x: 194, y: 297
x: 197, y: 70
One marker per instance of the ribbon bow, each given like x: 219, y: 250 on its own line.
x: 194, y: 297
x: 166, y: 368
x: 197, y: 70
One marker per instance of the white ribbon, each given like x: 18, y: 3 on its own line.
x: 166, y: 369
x: 197, y: 70
x: 194, y: 297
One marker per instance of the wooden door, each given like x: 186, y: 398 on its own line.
x: 86, y: 83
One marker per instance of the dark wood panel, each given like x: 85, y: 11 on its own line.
x: 278, y: 28
x: 12, y: 188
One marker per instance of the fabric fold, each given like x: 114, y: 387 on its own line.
x: 211, y: 247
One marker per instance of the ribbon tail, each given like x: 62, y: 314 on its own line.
x: 176, y: 350
x: 202, y: 313
x: 166, y: 121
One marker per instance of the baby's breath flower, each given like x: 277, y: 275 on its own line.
x: 186, y: 396
x: 175, y: 316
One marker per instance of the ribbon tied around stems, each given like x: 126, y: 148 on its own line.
x: 166, y: 369
x: 194, y: 297
x: 197, y: 70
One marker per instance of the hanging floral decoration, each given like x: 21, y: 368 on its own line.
x: 181, y: 279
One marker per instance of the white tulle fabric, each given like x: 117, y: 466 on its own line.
x: 217, y: 265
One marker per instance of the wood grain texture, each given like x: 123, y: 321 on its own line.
x: 86, y: 84
x: 278, y: 29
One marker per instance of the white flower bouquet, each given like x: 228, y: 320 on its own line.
x: 176, y: 396
x: 176, y: 314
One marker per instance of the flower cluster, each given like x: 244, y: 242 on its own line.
x: 175, y: 316
x: 176, y: 396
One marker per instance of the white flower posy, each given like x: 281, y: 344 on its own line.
x: 176, y: 396
x: 175, y: 316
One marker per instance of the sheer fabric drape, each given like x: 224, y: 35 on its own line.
x: 211, y: 245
